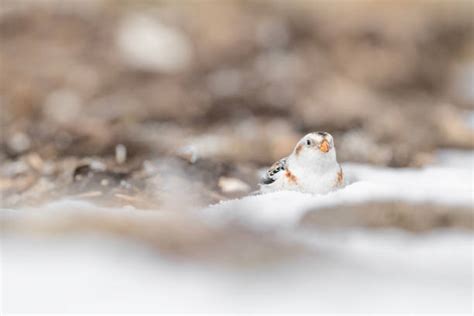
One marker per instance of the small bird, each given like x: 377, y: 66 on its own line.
x: 312, y: 167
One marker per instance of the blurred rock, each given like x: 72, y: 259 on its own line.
x: 35, y: 162
x: 148, y: 45
x: 120, y: 154
x: 399, y: 215
x: 233, y: 185
x: 19, y: 143
x: 225, y: 82
x: 272, y: 33
x: 62, y: 106
x: 188, y: 153
x: 453, y: 129
x: 358, y: 146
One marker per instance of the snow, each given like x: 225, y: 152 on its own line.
x: 470, y: 119
x: 449, y: 183
x: 464, y: 81
x: 461, y: 159
x: 351, y: 272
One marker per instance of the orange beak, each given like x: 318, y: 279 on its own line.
x: 324, y: 147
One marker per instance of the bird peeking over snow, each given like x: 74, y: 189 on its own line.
x: 312, y: 167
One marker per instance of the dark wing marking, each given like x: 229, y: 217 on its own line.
x: 275, y: 171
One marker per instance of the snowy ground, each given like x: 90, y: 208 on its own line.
x: 447, y: 184
x: 358, y: 272
x: 345, y: 271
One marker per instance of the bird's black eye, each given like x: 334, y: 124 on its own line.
x: 308, y: 142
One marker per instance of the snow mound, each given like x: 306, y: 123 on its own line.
x: 447, y: 185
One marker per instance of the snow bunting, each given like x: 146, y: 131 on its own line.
x: 311, y: 167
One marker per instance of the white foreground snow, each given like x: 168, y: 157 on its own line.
x: 355, y: 272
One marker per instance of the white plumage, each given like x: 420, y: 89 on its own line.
x: 311, y: 167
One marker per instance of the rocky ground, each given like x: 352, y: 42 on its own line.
x: 87, y: 98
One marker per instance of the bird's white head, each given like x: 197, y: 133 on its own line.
x: 315, y: 149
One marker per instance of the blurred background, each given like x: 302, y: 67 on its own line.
x: 235, y: 84
x: 162, y: 107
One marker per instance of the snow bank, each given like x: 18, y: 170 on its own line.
x: 450, y: 183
